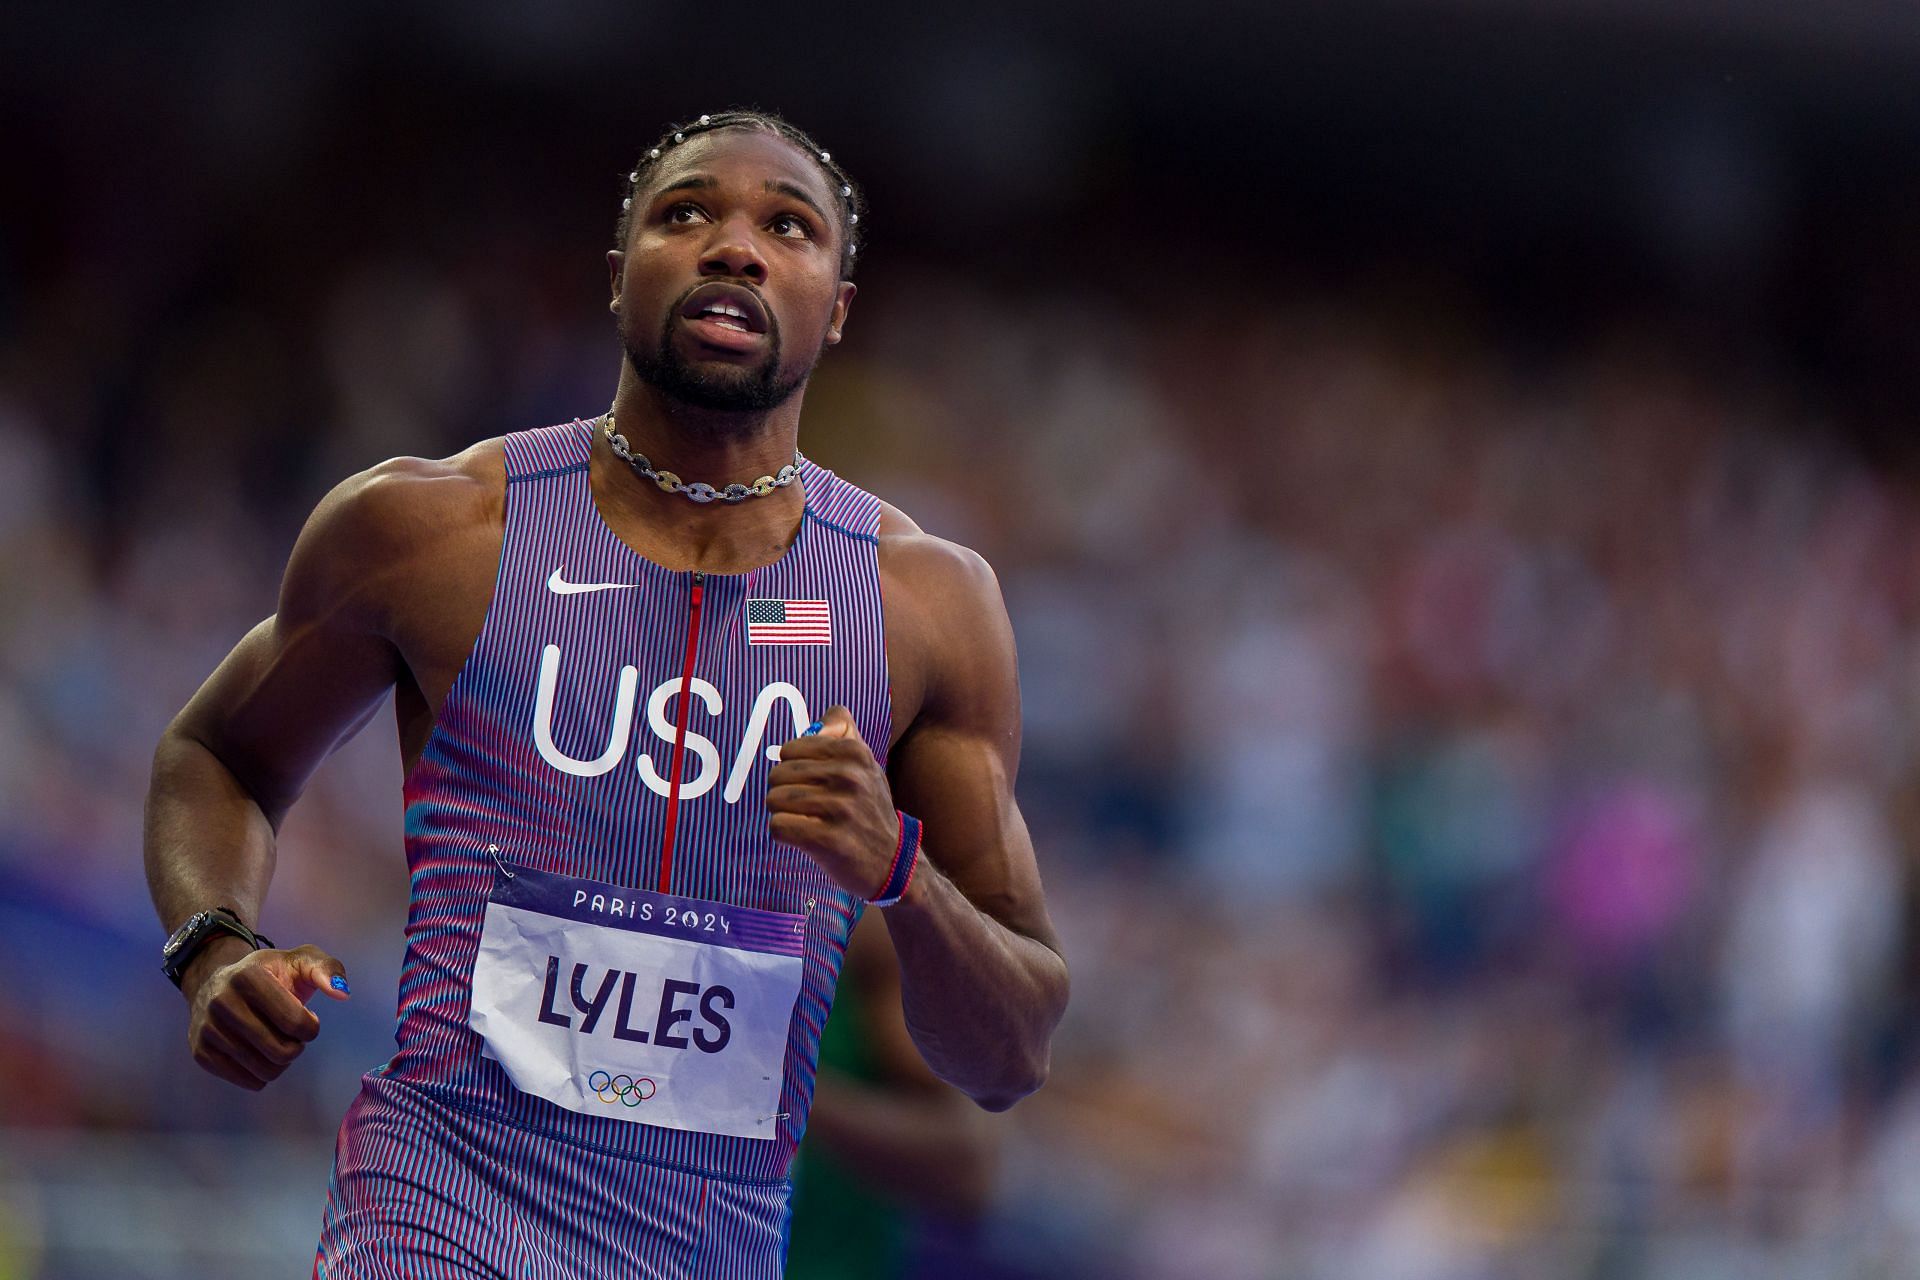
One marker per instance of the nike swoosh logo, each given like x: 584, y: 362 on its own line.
x: 561, y: 587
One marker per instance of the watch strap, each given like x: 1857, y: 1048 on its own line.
x: 211, y: 923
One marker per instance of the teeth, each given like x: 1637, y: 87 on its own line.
x: 726, y: 313
x: 731, y: 317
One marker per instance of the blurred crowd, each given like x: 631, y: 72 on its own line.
x: 1475, y: 789
x: 1477, y: 798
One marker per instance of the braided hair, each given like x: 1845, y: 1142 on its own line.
x: 850, y: 194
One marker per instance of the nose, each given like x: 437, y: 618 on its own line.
x: 731, y: 253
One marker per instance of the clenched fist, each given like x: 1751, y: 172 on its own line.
x: 829, y: 796
x: 250, y: 1018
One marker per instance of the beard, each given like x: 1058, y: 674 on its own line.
x: 725, y: 388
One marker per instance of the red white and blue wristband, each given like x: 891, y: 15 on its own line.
x: 906, y: 856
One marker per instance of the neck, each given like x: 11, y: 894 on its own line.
x: 705, y: 444
x: 698, y: 444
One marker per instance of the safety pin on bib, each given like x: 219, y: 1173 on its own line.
x: 494, y: 849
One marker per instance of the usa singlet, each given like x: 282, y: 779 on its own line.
x: 615, y: 979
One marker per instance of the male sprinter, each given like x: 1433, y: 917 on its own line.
x: 626, y: 919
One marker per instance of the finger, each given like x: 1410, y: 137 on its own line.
x: 838, y: 723
x: 799, y: 830
x: 817, y: 773
x: 243, y: 1056
x: 242, y: 1026
x: 314, y: 970
x: 820, y: 747
x: 275, y: 1005
x: 811, y: 801
x: 214, y: 1062
x: 239, y: 1046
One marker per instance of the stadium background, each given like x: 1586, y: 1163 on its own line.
x: 1450, y: 463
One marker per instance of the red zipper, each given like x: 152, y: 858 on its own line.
x: 680, y: 735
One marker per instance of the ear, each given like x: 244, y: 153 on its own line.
x: 837, y: 317
x: 616, y: 263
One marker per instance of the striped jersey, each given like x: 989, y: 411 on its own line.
x: 565, y: 745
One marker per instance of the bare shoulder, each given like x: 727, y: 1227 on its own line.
x: 404, y: 497
x: 927, y: 566
x: 950, y: 643
x: 934, y: 576
x: 379, y: 530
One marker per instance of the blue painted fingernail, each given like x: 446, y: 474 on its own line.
x: 814, y: 728
x: 340, y: 985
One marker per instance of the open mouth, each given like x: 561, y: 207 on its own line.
x: 727, y: 316
x: 729, y: 307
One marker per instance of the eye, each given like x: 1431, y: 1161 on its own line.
x: 791, y: 226
x: 684, y: 212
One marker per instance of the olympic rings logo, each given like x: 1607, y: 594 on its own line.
x: 628, y: 1091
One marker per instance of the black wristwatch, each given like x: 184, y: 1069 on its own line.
x: 179, y: 949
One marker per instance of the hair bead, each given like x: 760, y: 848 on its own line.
x: 754, y: 120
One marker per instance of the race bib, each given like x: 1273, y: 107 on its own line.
x: 644, y: 1006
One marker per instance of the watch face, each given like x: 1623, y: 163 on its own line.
x: 185, y: 931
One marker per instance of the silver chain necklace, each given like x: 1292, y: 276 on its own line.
x: 699, y: 490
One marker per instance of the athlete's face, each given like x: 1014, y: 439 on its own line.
x: 728, y: 289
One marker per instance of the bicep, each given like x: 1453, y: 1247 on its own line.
x: 281, y: 700
x: 954, y: 768
x: 309, y: 676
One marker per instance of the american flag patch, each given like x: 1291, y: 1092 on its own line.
x: 788, y: 622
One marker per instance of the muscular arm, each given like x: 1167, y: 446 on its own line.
x: 238, y: 755
x: 983, y: 983
x: 210, y: 819
x: 907, y: 1135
